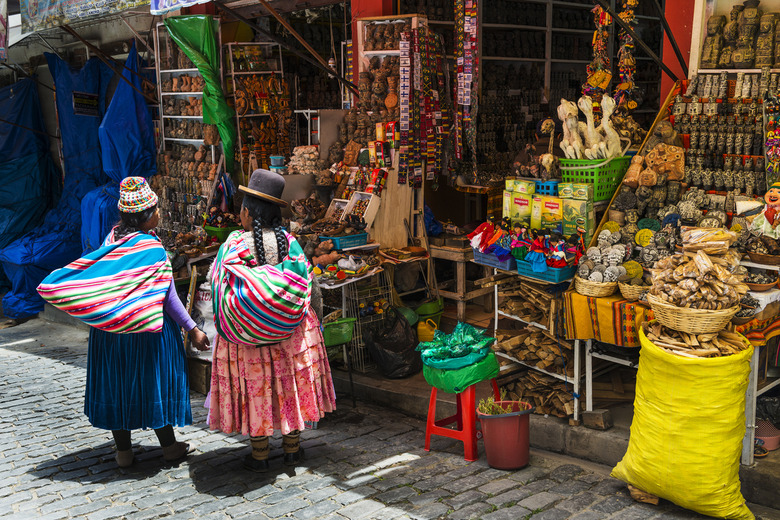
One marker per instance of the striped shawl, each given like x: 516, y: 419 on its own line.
x: 259, y: 305
x: 118, y: 288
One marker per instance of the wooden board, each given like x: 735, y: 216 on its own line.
x: 388, y: 228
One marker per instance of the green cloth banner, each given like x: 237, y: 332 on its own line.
x: 196, y: 36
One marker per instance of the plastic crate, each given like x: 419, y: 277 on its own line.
x: 338, y: 332
x: 493, y: 261
x: 345, y: 242
x: 605, y: 179
x: 555, y: 275
x: 220, y: 232
x: 546, y: 188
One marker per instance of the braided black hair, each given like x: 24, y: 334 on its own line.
x: 131, y: 222
x: 266, y: 215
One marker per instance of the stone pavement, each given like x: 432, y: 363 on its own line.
x: 361, y: 463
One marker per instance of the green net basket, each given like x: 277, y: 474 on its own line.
x: 605, y: 178
x: 338, y: 332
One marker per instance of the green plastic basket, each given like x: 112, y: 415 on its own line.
x: 338, y: 332
x: 605, y: 179
x: 220, y: 232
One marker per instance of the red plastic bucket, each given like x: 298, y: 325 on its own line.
x: 506, y: 436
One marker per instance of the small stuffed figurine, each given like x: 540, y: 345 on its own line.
x: 521, y: 242
x: 766, y: 223
x: 480, y: 237
x: 556, y: 251
x: 575, y: 246
x: 537, y: 253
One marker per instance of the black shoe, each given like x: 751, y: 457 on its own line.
x: 291, y: 459
x: 252, y: 464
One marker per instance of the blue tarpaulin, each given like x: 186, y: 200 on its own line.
x: 57, y: 241
x: 127, y: 143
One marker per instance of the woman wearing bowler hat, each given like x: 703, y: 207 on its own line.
x: 270, y: 367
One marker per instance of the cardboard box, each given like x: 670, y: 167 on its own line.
x: 578, y: 213
x: 199, y: 375
x: 507, y: 204
x: 582, y: 191
x: 509, y: 184
x: 522, y: 206
x: 527, y: 187
x: 565, y: 190
x: 552, y: 213
x: 536, y: 212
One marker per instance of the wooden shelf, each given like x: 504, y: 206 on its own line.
x: 575, y: 31
x: 572, y: 4
x: 181, y: 93
x: 250, y: 72
x: 182, y: 117
x: 562, y: 377
x: 559, y: 60
x: 391, y: 52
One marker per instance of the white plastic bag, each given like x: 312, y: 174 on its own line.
x: 203, y: 316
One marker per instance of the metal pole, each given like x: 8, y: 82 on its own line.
x: 623, y: 25
x: 672, y: 40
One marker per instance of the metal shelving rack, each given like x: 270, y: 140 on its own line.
x: 160, y: 33
x: 230, y: 82
x: 167, y: 143
x: 365, y: 292
x: 574, y: 379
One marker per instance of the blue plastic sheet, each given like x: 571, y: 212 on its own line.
x: 128, y: 149
x: 31, y: 182
x: 57, y: 241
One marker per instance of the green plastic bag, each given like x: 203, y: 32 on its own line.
x: 464, y: 347
x: 456, y: 381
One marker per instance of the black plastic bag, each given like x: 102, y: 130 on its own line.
x: 392, y: 347
x: 768, y: 409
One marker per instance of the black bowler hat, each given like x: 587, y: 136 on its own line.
x: 266, y: 185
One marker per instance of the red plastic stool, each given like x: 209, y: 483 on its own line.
x: 467, y: 422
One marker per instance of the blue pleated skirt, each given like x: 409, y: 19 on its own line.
x: 137, y: 380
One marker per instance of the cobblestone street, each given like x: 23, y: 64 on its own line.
x: 363, y: 463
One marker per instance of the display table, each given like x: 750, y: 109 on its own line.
x: 461, y: 294
x: 611, y: 319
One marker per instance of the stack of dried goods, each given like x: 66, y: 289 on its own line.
x: 723, y: 343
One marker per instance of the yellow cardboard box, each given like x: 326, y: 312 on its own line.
x: 552, y: 213
x: 578, y: 214
x: 522, y: 207
x: 527, y: 187
x: 582, y: 191
x: 565, y: 190
x: 507, y: 205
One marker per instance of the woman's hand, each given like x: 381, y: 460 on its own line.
x: 199, y: 339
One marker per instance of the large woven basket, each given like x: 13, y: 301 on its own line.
x: 692, y: 321
x: 632, y: 292
x: 596, y: 289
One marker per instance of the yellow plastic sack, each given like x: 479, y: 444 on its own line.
x: 686, y: 436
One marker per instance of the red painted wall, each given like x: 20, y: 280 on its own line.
x: 679, y: 14
x: 364, y: 8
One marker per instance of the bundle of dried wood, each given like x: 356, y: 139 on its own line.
x: 724, y: 343
x: 549, y: 395
x: 537, y: 347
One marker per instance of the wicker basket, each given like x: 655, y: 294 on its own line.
x: 764, y: 259
x: 692, y: 321
x: 632, y: 292
x: 596, y: 289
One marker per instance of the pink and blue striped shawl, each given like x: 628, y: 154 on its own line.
x: 259, y: 305
x: 118, y: 288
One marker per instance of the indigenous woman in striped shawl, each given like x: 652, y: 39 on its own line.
x: 138, y: 380
x: 270, y: 368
